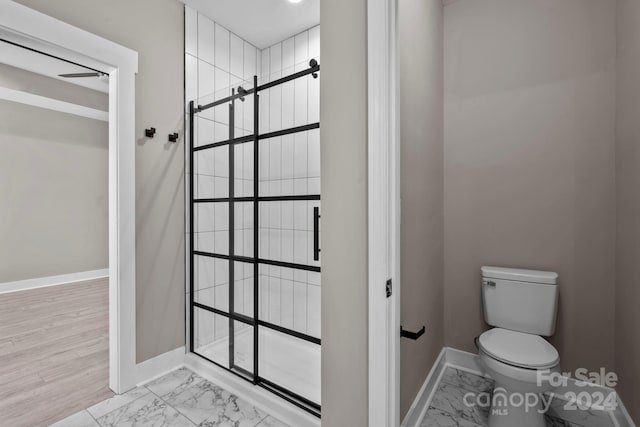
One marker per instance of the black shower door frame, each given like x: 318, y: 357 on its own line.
x: 231, y: 315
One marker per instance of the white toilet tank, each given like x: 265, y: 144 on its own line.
x: 520, y: 300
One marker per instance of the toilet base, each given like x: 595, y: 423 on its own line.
x: 515, y: 409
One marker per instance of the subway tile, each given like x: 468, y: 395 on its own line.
x: 313, y: 102
x: 300, y: 215
x: 287, y: 273
x: 221, y: 160
x: 265, y: 63
x: 238, y: 296
x: 247, y: 236
x: 301, y: 50
x: 300, y: 155
x: 313, y: 310
x: 314, y: 42
x: 264, y: 102
x: 300, y: 248
x: 313, y: 278
x: 263, y: 147
x: 248, y: 161
x: 275, y: 271
x: 264, y: 243
x: 205, y: 218
x: 300, y: 307
x: 275, y: 188
x: 221, y: 271
x: 191, y: 79
x: 204, y: 328
x: 313, y: 153
x: 204, y: 164
x: 222, y: 85
x: 247, y: 115
x: 205, y: 272
x: 264, y: 215
x: 204, y: 187
x: 250, y: 66
x: 287, y: 115
x: 205, y: 132
x: 221, y: 187
x: 221, y: 130
x: 275, y: 159
x: 275, y: 108
x: 206, y: 80
x: 300, y: 102
x: 263, y: 286
x: 286, y: 303
x: 286, y: 187
x: 275, y: 244
x: 275, y: 218
x: 263, y: 188
x: 274, y: 300
x: 300, y: 276
x: 221, y: 242
x: 206, y: 39
x: 275, y: 58
x: 288, y: 55
x: 222, y: 47
x: 287, y: 246
x: 236, y: 56
x: 313, y: 186
x: 248, y: 297
x: 287, y: 215
x: 190, y: 31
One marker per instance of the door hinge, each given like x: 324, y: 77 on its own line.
x: 389, y: 288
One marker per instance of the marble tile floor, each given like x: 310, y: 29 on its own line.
x: 447, y: 407
x: 178, y: 399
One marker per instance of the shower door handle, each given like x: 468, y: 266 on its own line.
x: 316, y: 233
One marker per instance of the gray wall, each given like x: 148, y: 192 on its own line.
x: 529, y: 162
x: 53, y: 187
x: 155, y: 29
x: 422, y: 185
x: 627, y: 343
x: 343, y: 114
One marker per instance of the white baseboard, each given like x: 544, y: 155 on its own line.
x: 158, y: 366
x: 43, y: 282
x: 421, y: 402
x: 450, y: 357
x: 257, y: 396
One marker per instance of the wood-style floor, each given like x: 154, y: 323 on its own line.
x: 54, y: 357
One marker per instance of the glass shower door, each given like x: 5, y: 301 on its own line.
x: 255, y: 228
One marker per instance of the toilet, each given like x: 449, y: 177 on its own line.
x: 521, y: 306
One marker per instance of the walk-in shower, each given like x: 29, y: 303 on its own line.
x: 254, y: 219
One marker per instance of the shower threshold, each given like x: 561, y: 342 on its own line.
x: 284, y: 360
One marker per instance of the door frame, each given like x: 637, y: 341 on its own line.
x: 383, y: 214
x: 43, y: 33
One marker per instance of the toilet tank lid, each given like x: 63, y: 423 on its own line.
x: 532, y: 276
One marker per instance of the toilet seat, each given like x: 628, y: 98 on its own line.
x: 518, y: 349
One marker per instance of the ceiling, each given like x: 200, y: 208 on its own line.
x: 39, y: 63
x: 261, y: 22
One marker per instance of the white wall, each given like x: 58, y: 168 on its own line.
x: 216, y: 61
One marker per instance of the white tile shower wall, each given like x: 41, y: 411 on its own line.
x: 290, y: 166
x: 217, y: 60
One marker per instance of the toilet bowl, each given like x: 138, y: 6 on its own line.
x: 521, y: 305
x: 520, y: 364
